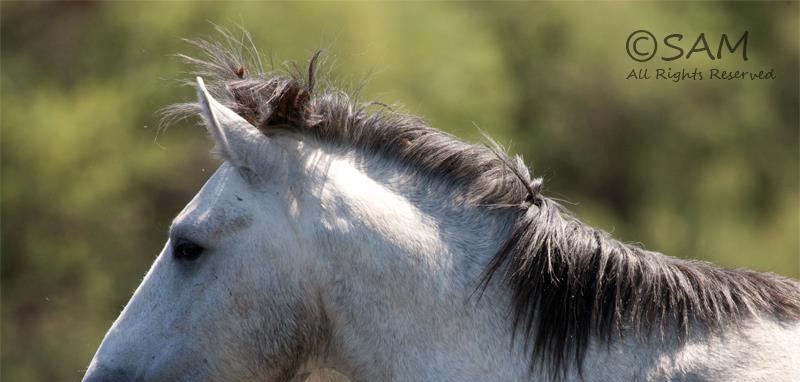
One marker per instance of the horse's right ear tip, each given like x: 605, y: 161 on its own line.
x: 201, y: 85
x: 203, y: 95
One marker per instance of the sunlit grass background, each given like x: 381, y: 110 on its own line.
x: 705, y: 169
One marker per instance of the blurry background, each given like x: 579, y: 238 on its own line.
x: 705, y: 169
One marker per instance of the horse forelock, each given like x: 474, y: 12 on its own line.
x: 570, y: 283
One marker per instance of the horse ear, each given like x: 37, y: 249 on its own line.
x: 234, y: 137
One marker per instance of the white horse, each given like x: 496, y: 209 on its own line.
x: 369, y: 244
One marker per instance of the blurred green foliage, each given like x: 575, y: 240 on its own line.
x: 705, y: 169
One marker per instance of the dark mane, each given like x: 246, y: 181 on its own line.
x: 570, y: 282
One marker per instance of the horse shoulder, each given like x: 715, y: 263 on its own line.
x: 760, y: 350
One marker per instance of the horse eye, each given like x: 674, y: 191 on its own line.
x: 186, y: 250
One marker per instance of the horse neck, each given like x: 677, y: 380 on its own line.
x: 403, y: 270
x: 402, y: 264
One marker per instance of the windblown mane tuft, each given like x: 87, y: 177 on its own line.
x: 570, y: 283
